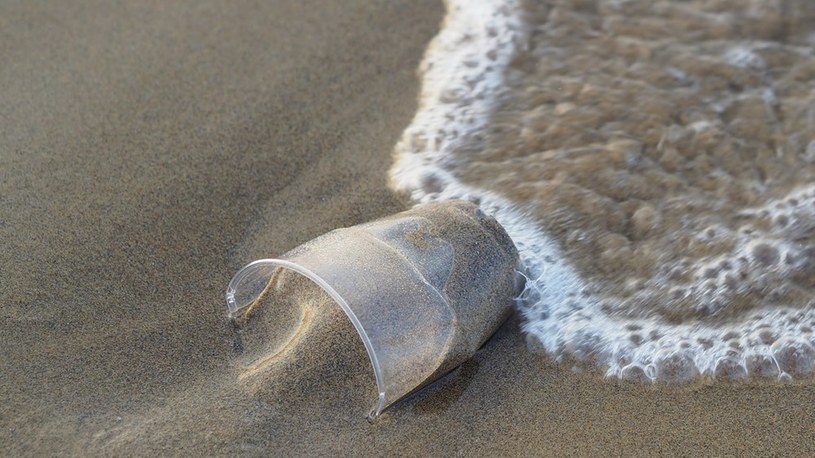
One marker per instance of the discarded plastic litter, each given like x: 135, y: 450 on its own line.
x: 424, y: 288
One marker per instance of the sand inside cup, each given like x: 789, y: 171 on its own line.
x: 300, y: 349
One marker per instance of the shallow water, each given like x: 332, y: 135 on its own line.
x: 654, y: 163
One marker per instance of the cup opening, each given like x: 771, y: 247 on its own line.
x: 251, y: 282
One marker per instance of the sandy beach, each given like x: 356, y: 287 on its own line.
x: 150, y: 149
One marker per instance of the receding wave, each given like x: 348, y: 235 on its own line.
x: 654, y: 162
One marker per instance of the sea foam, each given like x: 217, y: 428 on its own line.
x: 463, y: 80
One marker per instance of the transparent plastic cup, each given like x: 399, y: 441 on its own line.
x: 424, y: 288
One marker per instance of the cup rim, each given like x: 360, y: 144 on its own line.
x: 325, y: 286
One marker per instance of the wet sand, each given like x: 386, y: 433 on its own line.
x: 148, y: 150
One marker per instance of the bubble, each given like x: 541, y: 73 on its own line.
x: 645, y: 219
x: 586, y: 347
x: 762, y: 366
x: 741, y: 56
x: 675, y: 367
x: 795, y: 357
x: 623, y: 357
x: 710, y: 272
x: 729, y: 369
x: 634, y: 373
x: 806, y: 262
x: 777, y: 293
x: 730, y: 336
x: 766, y: 254
x: 766, y: 336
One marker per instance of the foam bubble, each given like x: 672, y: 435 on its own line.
x: 729, y: 368
x: 794, y: 356
x: 676, y: 366
x: 464, y: 73
x: 743, y: 56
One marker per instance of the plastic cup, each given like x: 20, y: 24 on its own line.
x: 424, y: 288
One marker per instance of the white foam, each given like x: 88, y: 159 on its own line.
x: 745, y: 57
x: 462, y: 81
x: 462, y: 73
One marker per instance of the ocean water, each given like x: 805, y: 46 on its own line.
x: 654, y: 162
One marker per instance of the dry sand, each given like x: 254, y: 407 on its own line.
x: 148, y: 149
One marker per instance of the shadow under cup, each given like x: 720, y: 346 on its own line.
x: 424, y: 288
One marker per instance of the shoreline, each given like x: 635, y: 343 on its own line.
x: 159, y: 147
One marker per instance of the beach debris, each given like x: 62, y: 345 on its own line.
x: 424, y: 290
